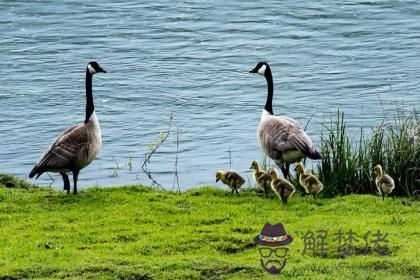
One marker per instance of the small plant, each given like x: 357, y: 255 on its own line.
x: 265, y: 163
x: 294, y: 272
x: 153, y: 146
x: 116, y: 168
x: 130, y: 162
x: 176, y: 177
x: 397, y: 220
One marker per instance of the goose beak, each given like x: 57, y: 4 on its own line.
x: 101, y: 70
x: 217, y: 180
x: 253, y: 70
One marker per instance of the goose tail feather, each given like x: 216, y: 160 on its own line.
x: 314, y: 155
x: 34, y: 172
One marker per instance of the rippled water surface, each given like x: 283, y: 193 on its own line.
x: 192, y: 58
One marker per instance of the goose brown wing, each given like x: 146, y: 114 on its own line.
x: 65, y: 148
x: 285, y: 134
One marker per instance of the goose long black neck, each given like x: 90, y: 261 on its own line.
x: 269, y: 103
x: 89, y: 98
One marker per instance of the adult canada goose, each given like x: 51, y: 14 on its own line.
x: 280, y: 137
x: 78, y: 145
x: 309, y: 182
x: 384, y: 183
x: 230, y: 178
x: 261, y: 178
x: 283, y: 188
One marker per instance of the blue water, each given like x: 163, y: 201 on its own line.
x: 192, y: 58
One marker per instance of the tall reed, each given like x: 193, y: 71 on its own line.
x: 347, y: 166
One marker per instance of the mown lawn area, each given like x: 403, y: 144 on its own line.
x: 205, y: 233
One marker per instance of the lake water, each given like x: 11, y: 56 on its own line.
x: 192, y: 58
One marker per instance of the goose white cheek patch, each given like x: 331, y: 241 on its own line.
x: 262, y: 70
x: 91, y: 69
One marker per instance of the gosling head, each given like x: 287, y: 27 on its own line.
x: 378, y: 170
x: 273, y: 174
x: 255, y: 165
x: 219, y: 175
x: 299, y: 168
x: 93, y: 67
x: 261, y: 68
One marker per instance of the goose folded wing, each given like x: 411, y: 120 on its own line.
x: 282, y: 134
x: 66, y: 148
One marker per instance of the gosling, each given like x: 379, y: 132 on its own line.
x: 283, y: 188
x: 230, y: 178
x: 309, y: 182
x: 261, y: 178
x: 384, y: 183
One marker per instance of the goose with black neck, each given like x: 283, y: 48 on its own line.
x: 281, y: 138
x: 78, y: 145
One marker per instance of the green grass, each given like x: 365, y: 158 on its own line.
x: 347, y: 164
x: 142, y: 233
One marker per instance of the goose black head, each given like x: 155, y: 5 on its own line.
x: 93, y: 67
x: 260, y: 68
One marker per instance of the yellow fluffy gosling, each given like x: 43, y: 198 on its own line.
x: 283, y: 188
x: 309, y: 182
x: 384, y: 183
x: 261, y: 178
x: 230, y: 178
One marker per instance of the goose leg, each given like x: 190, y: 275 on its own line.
x: 284, y: 171
x: 232, y: 192
x: 383, y: 197
x: 66, y: 182
x: 75, y: 177
x: 265, y: 190
x: 287, y: 171
x: 237, y: 192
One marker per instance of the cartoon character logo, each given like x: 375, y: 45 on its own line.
x: 273, y: 254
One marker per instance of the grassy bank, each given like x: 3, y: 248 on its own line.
x: 141, y: 233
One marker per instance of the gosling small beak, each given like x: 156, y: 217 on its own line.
x: 217, y: 180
